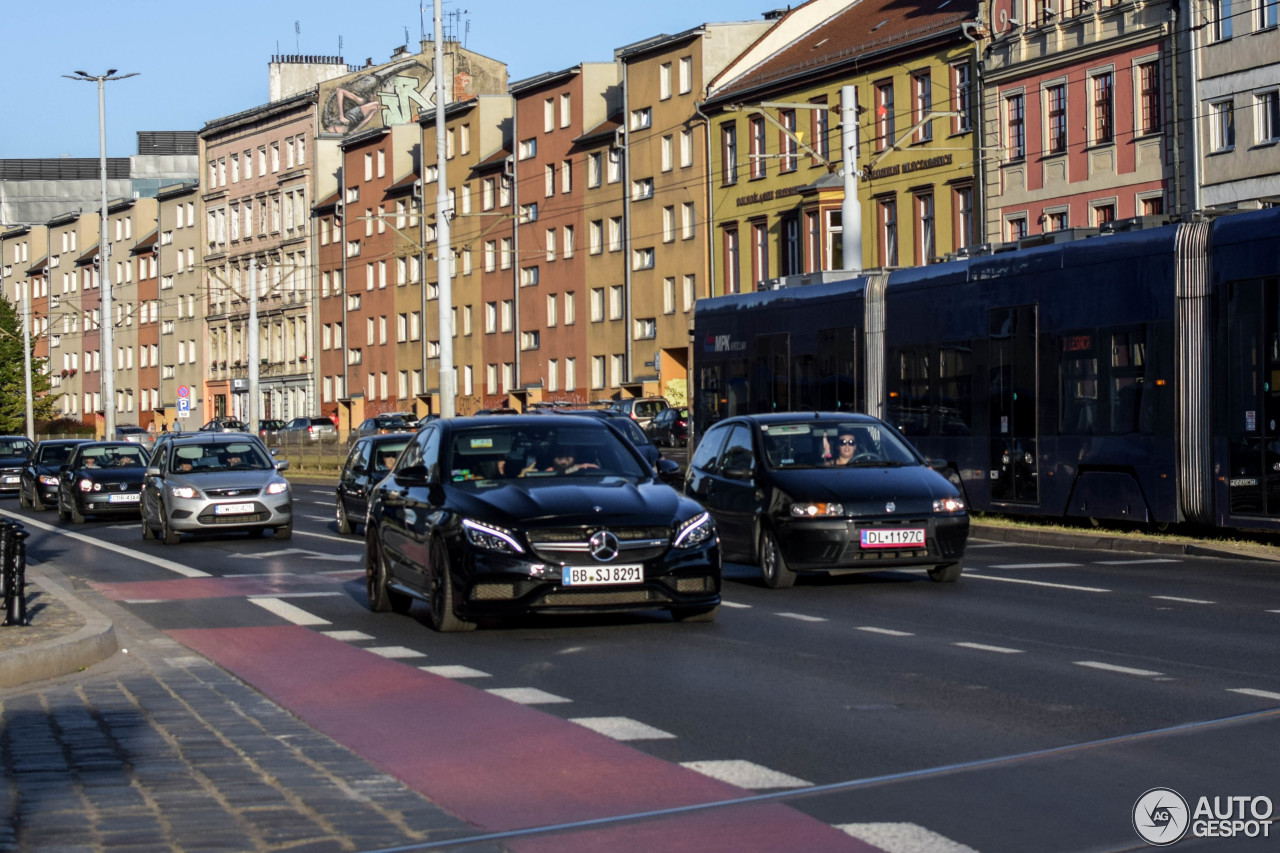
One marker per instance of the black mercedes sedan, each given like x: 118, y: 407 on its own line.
x: 101, y: 478
x: 369, y: 460
x: 487, y: 517
x: 39, y: 486
x: 826, y: 493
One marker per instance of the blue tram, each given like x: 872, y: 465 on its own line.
x: 1133, y: 375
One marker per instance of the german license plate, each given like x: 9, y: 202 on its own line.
x: 232, y: 509
x: 123, y: 499
x: 894, y: 537
x: 601, y: 575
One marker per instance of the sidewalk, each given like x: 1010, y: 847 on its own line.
x: 122, y: 739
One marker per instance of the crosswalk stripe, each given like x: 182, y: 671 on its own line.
x: 622, y: 728
x: 745, y: 774
x: 527, y: 695
x: 288, y: 612
x: 903, y: 838
x: 454, y: 671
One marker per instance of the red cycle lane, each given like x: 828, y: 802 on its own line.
x: 499, y: 765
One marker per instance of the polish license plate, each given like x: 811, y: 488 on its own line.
x: 601, y: 575
x: 232, y: 509
x: 895, y: 537
x: 9, y: 480
x: 128, y: 498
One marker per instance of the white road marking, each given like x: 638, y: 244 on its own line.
x: 299, y: 595
x: 745, y: 774
x: 1183, y: 600
x: 1037, y: 566
x: 348, y: 636
x: 318, y: 517
x: 288, y: 612
x: 982, y: 647
x: 622, y: 728
x: 1039, y: 583
x: 528, y: 695
x: 888, y: 632
x: 1249, y: 691
x: 348, y: 539
x: 740, y: 606
x: 1123, y: 670
x: 185, y: 571
x: 802, y: 617
x: 903, y: 838
x: 395, y: 652
x: 454, y: 671
x: 1137, y: 562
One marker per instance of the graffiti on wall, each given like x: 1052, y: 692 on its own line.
x: 391, y: 94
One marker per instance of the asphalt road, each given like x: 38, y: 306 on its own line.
x: 1026, y: 707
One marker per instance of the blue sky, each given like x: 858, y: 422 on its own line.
x: 195, y: 66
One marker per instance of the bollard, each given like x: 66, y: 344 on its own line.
x: 13, y: 554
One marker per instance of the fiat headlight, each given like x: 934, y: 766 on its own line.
x: 948, y: 506
x: 694, y: 532
x: 491, y: 537
x: 816, y: 510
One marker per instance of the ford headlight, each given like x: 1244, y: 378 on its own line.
x: 491, y: 537
x: 816, y: 510
x: 948, y: 505
x: 694, y: 532
x: 277, y: 488
x: 182, y: 491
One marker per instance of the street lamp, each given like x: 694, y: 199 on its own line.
x: 106, y: 340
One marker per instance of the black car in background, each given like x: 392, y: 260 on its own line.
x: 101, y: 478
x: 14, y: 450
x: 386, y: 424
x: 669, y: 428
x: 668, y: 471
x: 487, y: 517
x: 370, y: 459
x: 269, y: 427
x: 39, y: 487
x: 224, y: 424
x: 826, y: 493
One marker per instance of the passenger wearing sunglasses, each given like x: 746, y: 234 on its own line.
x: 846, y: 448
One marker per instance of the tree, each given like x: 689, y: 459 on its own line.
x: 13, y: 391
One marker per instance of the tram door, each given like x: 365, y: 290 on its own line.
x: 1253, y: 426
x: 1012, y: 363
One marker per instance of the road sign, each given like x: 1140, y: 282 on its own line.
x: 184, y: 406
x: 184, y: 392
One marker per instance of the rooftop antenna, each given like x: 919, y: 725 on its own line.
x: 297, y: 36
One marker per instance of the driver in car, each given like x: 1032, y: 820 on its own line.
x: 846, y: 449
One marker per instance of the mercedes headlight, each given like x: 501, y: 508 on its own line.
x: 695, y: 532
x: 491, y: 537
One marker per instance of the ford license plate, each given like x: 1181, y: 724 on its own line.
x: 893, y: 537
x: 232, y: 509
x: 601, y: 575
x: 123, y: 499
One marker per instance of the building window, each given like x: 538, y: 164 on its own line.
x: 615, y: 302
x: 1268, y: 116
x: 1222, y: 129
x: 1267, y: 14
x: 642, y: 259
x: 756, y: 154
x: 729, y: 152
x: 885, y: 118
x: 1015, y: 127
x: 528, y: 276
x: 925, y: 230
x: 646, y: 329
x: 687, y: 218
x: 1153, y: 206
x: 961, y: 97
x: 1221, y: 19
x: 641, y: 188
x: 597, y: 304
x: 787, y: 147
x: 1149, y: 97
x: 594, y: 172
x: 1016, y: 227
x: 528, y: 340
x: 686, y: 75
x: 1056, y: 220
x: 664, y: 81
x: 686, y: 148
x: 548, y: 115
x: 923, y: 106
x: 668, y: 224
x: 1104, y: 213
x: 759, y: 251
x: 1103, y: 108
x: 819, y: 128
x: 668, y: 152
x: 641, y: 118
x: 528, y: 148
x: 1056, y: 106
x: 888, y: 220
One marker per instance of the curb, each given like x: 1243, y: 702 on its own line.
x: 93, y: 643
x: 1064, y: 538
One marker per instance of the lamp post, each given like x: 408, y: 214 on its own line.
x: 104, y: 272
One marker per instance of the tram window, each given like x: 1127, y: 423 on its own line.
x: 955, y: 390
x: 909, y: 402
x: 838, y: 369
x: 1128, y: 381
x: 1078, y: 378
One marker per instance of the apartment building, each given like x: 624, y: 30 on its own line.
x: 178, y: 312
x: 1234, y: 151
x: 556, y: 115
x: 776, y: 147
x: 667, y: 208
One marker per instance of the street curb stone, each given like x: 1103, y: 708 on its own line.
x: 94, y: 642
